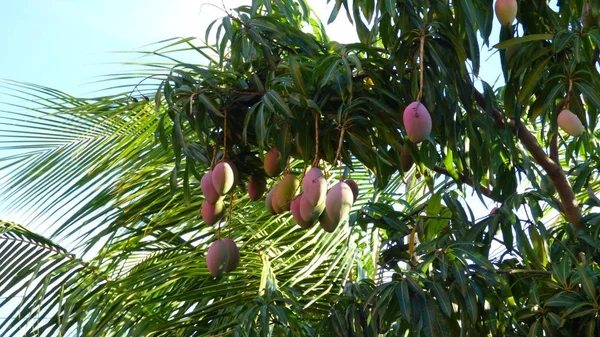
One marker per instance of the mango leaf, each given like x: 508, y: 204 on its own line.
x: 518, y: 40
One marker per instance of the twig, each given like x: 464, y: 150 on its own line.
x: 467, y: 180
x: 523, y: 271
x: 421, y: 63
x: 224, y: 135
x: 339, y: 148
x: 316, y: 160
x: 214, y: 157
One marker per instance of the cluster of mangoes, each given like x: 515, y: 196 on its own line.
x: 314, y: 203
x: 222, y: 255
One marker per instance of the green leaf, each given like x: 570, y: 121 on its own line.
x: 563, y: 299
x: 471, y: 303
x: 590, y: 328
x: 442, y: 298
x: 479, y: 259
x: 273, y: 97
x: 208, y: 103
x: 532, y: 80
x: 296, y: 73
x: 458, y: 272
x: 562, y: 40
x: 404, y: 299
x: 561, y: 271
x: 534, y: 329
x: 587, y: 283
x: 431, y: 320
x: 518, y: 40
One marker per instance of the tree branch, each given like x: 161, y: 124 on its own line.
x: 523, y: 271
x: 467, y: 180
x: 554, y: 147
x: 552, y: 168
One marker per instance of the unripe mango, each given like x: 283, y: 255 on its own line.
x: 354, y: 187
x: 223, y: 177
x: 269, y: 202
x: 506, y: 11
x: 406, y: 160
x: 277, y: 207
x: 510, y: 51
x: 295, y: 209
x: 256, y: 187
x: 212, y: 213
x: 417, y: 121
x: 314, y: 186
x: 326, y: 223
x: 285, y: 191
x: 569, y: 122
x: 217, y: 257
x: 272, y: 162
x: 338, y: 203
x: 208, y: 189
x: 234, y: 255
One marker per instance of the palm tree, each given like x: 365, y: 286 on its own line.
x: 116, y: 180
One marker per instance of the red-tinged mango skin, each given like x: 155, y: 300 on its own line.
x: 234, y: 255
x: 269, y: 202
x: 272, y: 163
x: 354, y: 187
x: 310, y: 212
x: 277, y: 208
x: 217, y: 257
x: 208, y: 189
x: 570, y: 123
x: 506, y: 11
x: 236, y: 175
x: 295, y: 209
x: 314, y: 186
x: 212, y: 213
x: 338, y: 203
x: 223, y: 177
x: 256, y: 187
x: 417, y: 121
x: 326, y: 223
x: 285, y: 191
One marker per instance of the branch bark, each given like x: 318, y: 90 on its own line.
x: 467, y: 180
x: 552, y: 168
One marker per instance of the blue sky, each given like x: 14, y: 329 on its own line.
x: 64, y: 44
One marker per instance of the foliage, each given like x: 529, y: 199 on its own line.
x: 120, y: 176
